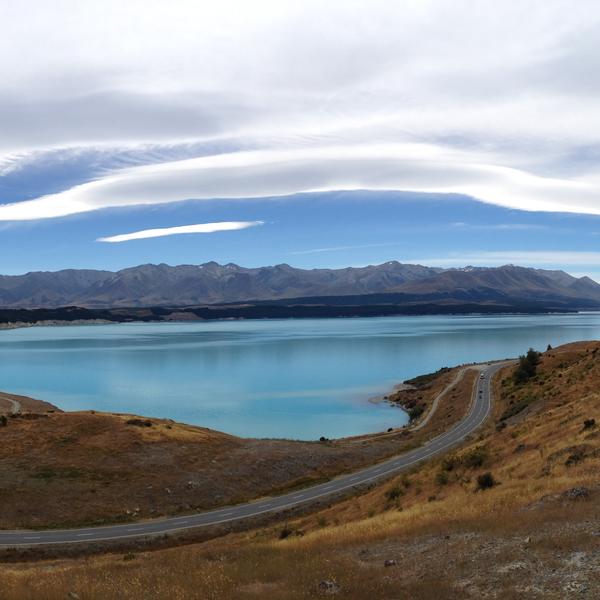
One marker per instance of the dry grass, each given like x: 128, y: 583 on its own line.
x: 28, y: 405
x: 69, y: 469
x: 522, y: 538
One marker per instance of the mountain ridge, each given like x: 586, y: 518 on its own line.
x: 211, y: 283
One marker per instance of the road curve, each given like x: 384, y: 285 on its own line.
x: 479, y: 411
x: 440, y: 396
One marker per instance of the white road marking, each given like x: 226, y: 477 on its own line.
x: 479, y: 412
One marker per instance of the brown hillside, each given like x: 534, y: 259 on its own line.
x: 533, y: 534
x: 63, y: 469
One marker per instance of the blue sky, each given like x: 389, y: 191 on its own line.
x: 324, y: 135
x: 332, y: 229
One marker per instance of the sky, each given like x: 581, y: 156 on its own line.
x: 318, y: 134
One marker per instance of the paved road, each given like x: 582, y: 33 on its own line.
x: 479, y: 411
x: 438, y: 398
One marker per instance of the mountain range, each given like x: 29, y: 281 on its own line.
x: 214, y: 284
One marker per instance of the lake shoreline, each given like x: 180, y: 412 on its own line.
x: 10, y: 325
x: 295, y: 379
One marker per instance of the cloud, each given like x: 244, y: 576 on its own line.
x: 498, y: 102
x: 518, y: 257
x: 166, y: 231
x: 500, y: 226
x: 264, y: 173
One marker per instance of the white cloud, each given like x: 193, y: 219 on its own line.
x: 546, y: 258
x: 260, y: 173
x: 497, y: 100
x: 165, y: 231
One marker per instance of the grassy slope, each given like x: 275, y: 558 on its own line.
x: 64, y: 469
x: 528, y: 536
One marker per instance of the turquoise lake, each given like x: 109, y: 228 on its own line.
x: 290, y: 378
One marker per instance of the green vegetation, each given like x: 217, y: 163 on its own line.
x: 527, y: 367
x: 485, y: 481
x: 394, y: 493
x: 473, y: 459
x: 442, y: 478
x: 424, y: 380
x: 516, y: 407
x: 415, y: 412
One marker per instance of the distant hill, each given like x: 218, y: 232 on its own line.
x: 391, y: 283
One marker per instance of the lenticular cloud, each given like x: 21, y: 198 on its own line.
x: 166, y: 231
x: 268, y: 173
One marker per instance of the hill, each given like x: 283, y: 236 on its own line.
x: 444, y: 530
x: 389, y: 284
x: 72, y: 468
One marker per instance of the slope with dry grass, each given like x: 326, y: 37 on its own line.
x: 534, y: 534
x: 69, y: 469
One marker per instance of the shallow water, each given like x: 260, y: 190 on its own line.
x: 289, y: 378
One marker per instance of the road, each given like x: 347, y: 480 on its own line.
x: 478, y: 412
x: 438, y: 398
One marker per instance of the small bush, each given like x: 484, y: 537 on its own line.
x: 442, y: 478
x: 475, y: 458
x: 449, y: 463
x: 516, y: 408
x: 485, y: 481
x: 139, y: 422
x: 527, y: 367
x: 285, y: 532
x: 423, y: 381
x: 393, y: 493
x: 587, y: 424
x: 415, y: 412
x: 3, y: 421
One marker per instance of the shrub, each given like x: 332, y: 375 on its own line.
x: 485, y: 481
x: 516, y: 407
x: 475, y: 458
x: 527, y: 367
x: 416, y: 411
x: 3, y: 421
x: 423, y: 381
x: 393, y: 493
x: 285, y: 532
x: 449, y: 463
x: 139, y: 422
x: 442, y: 478
x: 587, y: 424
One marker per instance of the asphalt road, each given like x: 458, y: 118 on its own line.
x: 479, y: 411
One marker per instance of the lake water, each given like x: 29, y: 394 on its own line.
x: 289, y: 378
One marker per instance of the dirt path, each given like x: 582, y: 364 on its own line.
x: 439, y: 397
x: 15, y: 405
